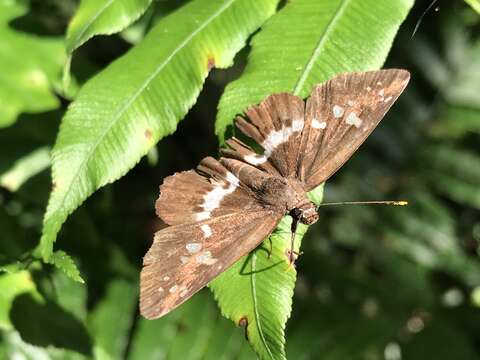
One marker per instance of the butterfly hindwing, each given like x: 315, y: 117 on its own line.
x: 339, y: 116
x: 184, y: 258
x: 276, y: 125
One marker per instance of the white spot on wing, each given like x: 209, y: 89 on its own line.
x: 206, y: 258
x: 273, y: 140
x: 173, y: 289
x: 318, y: 124
x: 213, y: 198
x: 232, y: 179
x: 369, y: 88
x: 204, y: 215
x: 353, y: 119
x: 183, y: 291
x: 193, y: 248
x: 184, y: 259
x: 387, y: 99
x: 277, y: 137
x: 255, y: 159
x: 381, y: 93
x: 207, y: 230
x: 297, y: 125
x: 350, y: 102
x: 338, y: 111
x: 160, y: 289
x: 166, y: 278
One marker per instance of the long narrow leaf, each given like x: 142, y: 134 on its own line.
x: 304, y: 44
x: 120, y: 114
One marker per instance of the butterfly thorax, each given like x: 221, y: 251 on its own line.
x: 288, y: 195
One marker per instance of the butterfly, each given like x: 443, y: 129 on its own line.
x: 225, y: 208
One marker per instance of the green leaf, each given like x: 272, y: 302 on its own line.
x: 30, y: 65
x: 462, y: 90
x: 266, y: 286
x: 111, y: 320
x: 426, y: 234
x: 25, y: 168
x: 62, y: 261
x: 455, y: 122
x: 120, y: 114
x: 193, y: 331
x: 324, y: 38
x: 102, y: 17
x: 475, y: 4
x: 13, y: 285
x: 455, y: 173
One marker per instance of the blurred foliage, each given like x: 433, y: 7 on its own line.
x: 30, y: 66
x: 373, y: 282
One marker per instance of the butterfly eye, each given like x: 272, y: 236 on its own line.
x: 309, y: 214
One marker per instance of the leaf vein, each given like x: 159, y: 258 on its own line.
x: 319, y: 47
x: 255, y: 305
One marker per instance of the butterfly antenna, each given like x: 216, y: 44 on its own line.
x: 375, y: 202
x: 417, y: 25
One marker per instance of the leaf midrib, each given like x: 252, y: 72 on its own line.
x: 255, y: 305
x: 321, y: 43
x: 119, y: 113
x: 92, y: 20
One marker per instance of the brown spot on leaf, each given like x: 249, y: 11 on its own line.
x: 54, y: 185
x: 243, y: 322
x: 148, y: 134
x: 210, y: 63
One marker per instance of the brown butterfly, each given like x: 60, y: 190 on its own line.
x: 227, y: 207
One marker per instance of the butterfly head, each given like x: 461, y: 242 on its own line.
x: 307, y: 213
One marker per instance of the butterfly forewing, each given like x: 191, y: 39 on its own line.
x: 184, y: 258
x: 340, y: 114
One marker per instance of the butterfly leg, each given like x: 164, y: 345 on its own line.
x: 292, y: 254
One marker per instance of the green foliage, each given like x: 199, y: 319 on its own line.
x: 13, y: 285
x: 119, y: 115
x: 372, y: 283
x: 111, y: 320
x: 475, y: 4
x: 104, y: 17
x: 65, y: 263
x: 31, y: 66
x: 25, y: 168
x: 322, y: 44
